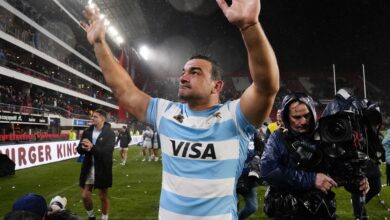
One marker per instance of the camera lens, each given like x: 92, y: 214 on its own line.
x: 337, y: 129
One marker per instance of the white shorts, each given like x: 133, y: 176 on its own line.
x: 147, y: 144
x: 91, y: 176
x: 155, y: 146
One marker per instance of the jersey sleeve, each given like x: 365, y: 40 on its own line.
x: 156, y: 108
x: 245, y: 127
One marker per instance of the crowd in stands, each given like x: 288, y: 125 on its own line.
x: 20, y: 138
x: 31, y: 65
x: 32, y: 100
x: 25, y: 98
x: 48, y: 15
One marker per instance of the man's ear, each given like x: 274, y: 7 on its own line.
x: 218, y: 86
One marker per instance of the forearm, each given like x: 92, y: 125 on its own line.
x: 132, y: 99
x: 263, y: 65
x: 114, y: 74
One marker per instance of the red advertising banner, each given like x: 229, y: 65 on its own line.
x: 35, y: 154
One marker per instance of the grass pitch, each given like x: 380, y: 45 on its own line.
x: 136, y: 190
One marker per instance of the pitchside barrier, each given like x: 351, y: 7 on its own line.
x: 35, y: 154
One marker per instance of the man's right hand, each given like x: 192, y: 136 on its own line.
x: 95, y: 27
x: 324, y: 182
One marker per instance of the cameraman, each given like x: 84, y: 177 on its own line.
x: 291, y: 166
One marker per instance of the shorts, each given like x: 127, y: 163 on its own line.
x: 91, y: 176
x: 124, y: 148
x: 155, y: 146
x: 147, y: 144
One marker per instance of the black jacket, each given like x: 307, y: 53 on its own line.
x: 102, y: 152
x: 124, y: 138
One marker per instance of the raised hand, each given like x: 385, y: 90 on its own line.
x: 242, y: 13
x: 95, y: 27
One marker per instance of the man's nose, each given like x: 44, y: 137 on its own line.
x: 184, y: 78
x: 303, y: 121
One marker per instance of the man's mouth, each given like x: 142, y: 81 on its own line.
x: 185, y: 87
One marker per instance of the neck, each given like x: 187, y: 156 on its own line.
x: 99, y: 126
x: 199, y: 105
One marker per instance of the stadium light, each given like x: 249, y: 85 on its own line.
x: 112, y: 31
x: 119, y: 40
x: 145, y: 52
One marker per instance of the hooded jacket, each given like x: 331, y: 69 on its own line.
x: 275, y: 167
x: 102, y: 153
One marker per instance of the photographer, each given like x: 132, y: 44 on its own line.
x: 349, y: 128
x: 124, y: 138
x: 291, y: 165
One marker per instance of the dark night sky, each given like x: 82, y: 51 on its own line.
x: 307, y: 35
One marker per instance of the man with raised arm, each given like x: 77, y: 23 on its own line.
x: 204, y: 143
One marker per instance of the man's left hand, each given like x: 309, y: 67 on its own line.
x: 364, y: 186
x: 242, y: 13
x: 86, y: 144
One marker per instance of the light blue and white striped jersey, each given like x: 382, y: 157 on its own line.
x: 203, y: 153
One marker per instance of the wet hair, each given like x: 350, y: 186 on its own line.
x: 216, y: 71
x: 101, y: 112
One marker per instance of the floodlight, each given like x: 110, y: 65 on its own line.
x: 145, y: 52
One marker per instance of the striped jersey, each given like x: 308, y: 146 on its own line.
x: 203, y: 153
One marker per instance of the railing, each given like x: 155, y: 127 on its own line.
x: 41, y: 111
x: 42, y: 76
x: 26, y: 138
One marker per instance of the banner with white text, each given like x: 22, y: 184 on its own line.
x: 35, y: 154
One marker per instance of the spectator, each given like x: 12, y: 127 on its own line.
x: 124, y: 138
x: 97, y: 143
x: 33, y: 203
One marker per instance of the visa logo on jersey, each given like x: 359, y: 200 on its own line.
x: 193, y: 150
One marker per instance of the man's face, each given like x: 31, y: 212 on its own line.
x: 97, y: 119
x: 279, y: 117
x: 195, y: 81
x: 299, y: 117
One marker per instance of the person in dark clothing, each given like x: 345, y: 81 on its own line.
x: 124, y: 138
x: 97, y: 144
x: 292, y: 165
x: 250, y: 178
